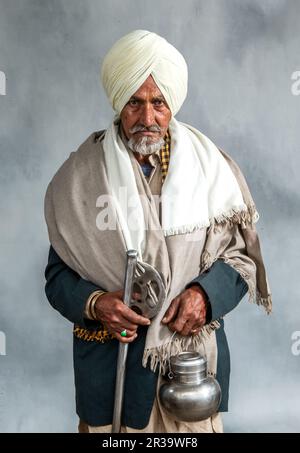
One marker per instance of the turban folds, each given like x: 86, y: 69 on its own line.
x: 135, y: 57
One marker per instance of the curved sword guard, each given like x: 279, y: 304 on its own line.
x: 148, y: 282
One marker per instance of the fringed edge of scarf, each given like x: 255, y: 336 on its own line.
x: 245, y: 219
x: 266, y: 302
x: 255, y: 296
x: 236, y: 215
x: 185, y: 229
x: 160, y: 356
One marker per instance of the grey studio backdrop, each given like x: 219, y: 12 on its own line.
x: 243, y: 58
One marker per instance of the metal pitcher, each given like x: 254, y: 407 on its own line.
x: 190, y: 395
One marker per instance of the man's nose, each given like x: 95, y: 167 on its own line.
x: 147, y: 115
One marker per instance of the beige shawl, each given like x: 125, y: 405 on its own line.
x: 72, y: 209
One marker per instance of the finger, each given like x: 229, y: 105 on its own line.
x: 135, y: 295
x: 195, y: 331
x: 129, y: 333
x: 122, y: 324
x: 125, y: 339
x: 202, y: 321
x: 188, y: 326
x: 178, y: 324
x: 172, y: 311
x: 198, y: 326
x: 134, y: 318
x: 170, y: 326
x: 186, y: 314
x: 181, y: 317
x: 120, y: 294
x: 119, y: 329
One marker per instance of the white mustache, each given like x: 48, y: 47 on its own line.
x: 141, y: 128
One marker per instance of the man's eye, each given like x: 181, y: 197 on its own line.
x: 133, y: 102
x: 158, y: 102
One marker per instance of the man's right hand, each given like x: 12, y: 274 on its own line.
x: 116, y: 316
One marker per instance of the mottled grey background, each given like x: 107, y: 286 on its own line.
x: 241, y: 55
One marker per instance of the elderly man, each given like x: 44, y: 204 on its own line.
x: 161, y: 187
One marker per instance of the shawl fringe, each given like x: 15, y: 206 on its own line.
x: 161, y: 355
x: 184, y: 229
x: 266, y: 302
x: 237, y: 215
x: 244, y: 218
x: 254, y: 295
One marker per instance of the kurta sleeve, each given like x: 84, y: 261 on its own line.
x: 66, y: 291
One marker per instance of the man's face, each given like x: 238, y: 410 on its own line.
x: 145, y: 118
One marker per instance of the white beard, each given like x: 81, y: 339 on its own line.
x: 143, y: 146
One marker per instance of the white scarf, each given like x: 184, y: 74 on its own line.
x: 199, y: 188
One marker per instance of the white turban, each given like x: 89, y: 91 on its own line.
x: 136, y: 56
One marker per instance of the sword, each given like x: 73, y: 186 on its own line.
x: 148, y: 282
x: 123, y: 347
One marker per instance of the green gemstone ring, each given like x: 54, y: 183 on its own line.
x: 124, y: 333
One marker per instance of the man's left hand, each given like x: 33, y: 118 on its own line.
x: 187, y: 312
